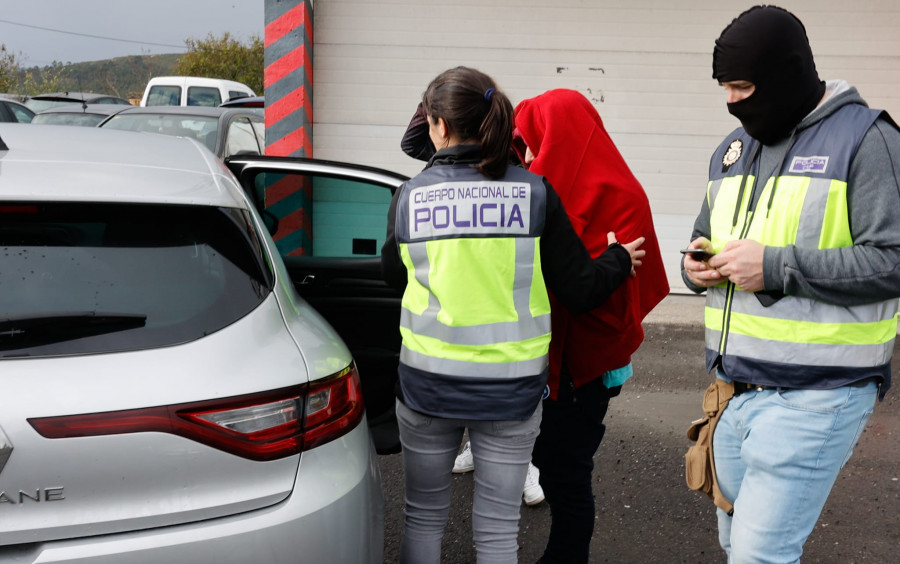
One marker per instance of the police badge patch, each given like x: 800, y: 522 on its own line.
x: 733, y: 153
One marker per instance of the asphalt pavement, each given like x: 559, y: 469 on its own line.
x: 645, y: 512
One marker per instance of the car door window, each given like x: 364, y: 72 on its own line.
x: 348, y: 216
x: 259, y: 128
x: 240, y: 138
x: 203, y: 96
x: 21, y: 115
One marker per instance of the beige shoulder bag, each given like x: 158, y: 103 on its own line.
x: 699, y: 466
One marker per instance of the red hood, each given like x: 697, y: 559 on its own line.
x: 576, y: 154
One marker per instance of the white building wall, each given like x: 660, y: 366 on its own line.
x: 645, y: 64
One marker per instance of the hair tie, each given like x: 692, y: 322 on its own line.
x: 488, y: 94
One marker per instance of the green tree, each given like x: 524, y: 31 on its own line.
x: 9, y: 70
x: 55, y: 77
x: 224, y: 57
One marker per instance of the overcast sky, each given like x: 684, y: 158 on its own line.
x: 43, y: 31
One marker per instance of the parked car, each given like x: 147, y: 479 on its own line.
x: 175, y: 398
x: 248, y: 102
x: 257, y: 103
x: 86, y: 115
x: 42, y: 102
x: 225, y: 131
x: 192, y: 91
x: 14, y: 112
x: 344, y: 207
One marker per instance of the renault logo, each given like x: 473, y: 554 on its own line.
x: 5, y: 449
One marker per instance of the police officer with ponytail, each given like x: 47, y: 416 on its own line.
x: 476, y: 245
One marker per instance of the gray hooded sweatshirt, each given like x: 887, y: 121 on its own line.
x: 868, y: 271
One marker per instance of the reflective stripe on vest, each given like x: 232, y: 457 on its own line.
x: 809, y: 210
x: 449, y: 330
x: 838, y: 337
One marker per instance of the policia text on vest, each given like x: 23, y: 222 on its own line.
x: 469, y: 208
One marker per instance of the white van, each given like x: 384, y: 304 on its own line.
x: 192, y: 91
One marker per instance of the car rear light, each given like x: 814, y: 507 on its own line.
x: 262, y: 426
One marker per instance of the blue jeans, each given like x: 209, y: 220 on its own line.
x: 777, y: 455
x: 502, y: 450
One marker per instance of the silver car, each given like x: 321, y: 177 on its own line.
x: 83, y: 115
x: 224, y: 131
x: 169, y: 396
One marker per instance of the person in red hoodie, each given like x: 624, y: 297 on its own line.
x: 559, y: 135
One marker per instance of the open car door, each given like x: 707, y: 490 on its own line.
x: 339, y: 211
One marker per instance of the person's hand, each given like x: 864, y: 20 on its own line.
x: 742, y: 263
x: 700, y: 272
x: 633, y: 248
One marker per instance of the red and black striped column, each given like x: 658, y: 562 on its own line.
x: 288, y: 84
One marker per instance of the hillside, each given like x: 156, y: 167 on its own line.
x: 122, y: 76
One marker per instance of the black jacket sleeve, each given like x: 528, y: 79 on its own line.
x: 416, y: 142
x: 392, y: 269
x: 579, y: 282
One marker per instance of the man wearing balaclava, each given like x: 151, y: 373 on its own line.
x: 802, y: 220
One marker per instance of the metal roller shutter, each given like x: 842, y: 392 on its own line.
x: 645, y: 64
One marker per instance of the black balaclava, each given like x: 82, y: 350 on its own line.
x: 767, y: 46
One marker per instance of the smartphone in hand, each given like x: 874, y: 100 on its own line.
x: 697, y: 254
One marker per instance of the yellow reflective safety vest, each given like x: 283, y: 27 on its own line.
x: 795, y: 342
x: 475, y: 315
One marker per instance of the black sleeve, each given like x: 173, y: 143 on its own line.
x: 579, y: 282
x: 701, y: 229
x: 416, y: 142
x: 392, y: 269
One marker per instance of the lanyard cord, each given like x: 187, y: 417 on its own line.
x: 750, y: 160
x: 777, y: 171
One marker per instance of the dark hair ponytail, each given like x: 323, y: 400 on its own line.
x: 475, y: 110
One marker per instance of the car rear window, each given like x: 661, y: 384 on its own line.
x: 37, y: 105
x: 83, y: 278
x: 200, y: 128
x: 68, y: 118
x: 164, y: 96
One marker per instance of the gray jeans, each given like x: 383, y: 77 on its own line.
x: 502, y: 450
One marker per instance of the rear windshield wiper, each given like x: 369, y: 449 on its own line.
x: 22, y: 331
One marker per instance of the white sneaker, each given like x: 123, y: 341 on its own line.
x: 465, y: 462
x: 533, y: 494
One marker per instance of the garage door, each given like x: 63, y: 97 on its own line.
x: 645, y: 64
